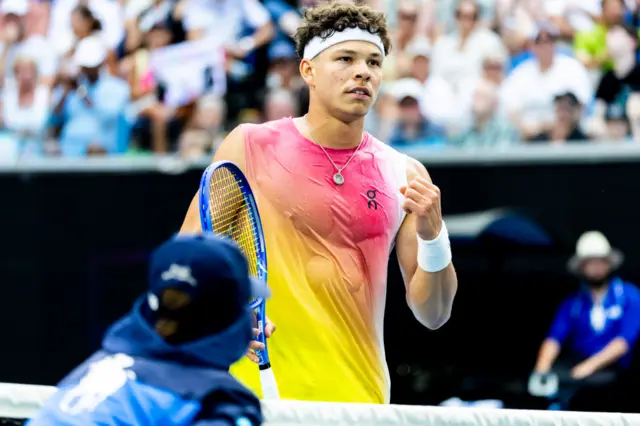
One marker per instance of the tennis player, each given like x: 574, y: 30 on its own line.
x: 334, y: 201
x: 167, y: 361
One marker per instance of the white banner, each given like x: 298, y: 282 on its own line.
x: 189, y: 69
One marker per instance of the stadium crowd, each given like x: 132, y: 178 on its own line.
x: 96, y: 77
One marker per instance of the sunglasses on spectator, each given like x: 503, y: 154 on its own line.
x: 466, y: 15
x: 408, y: 16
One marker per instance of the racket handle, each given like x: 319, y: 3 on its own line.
x: 269, y: 385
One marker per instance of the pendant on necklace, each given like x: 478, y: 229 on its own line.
x: 338, y: 178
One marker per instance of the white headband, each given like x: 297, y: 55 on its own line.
x: 317, y: 45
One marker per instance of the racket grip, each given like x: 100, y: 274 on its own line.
x: 269, y: 385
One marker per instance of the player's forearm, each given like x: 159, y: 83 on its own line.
x: 191, y: 224
x: 431, y: 295
x: 616, y: 349
x: 547, y: 356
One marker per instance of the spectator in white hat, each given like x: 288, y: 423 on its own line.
x: 91, y: 111
x: 599, y: 324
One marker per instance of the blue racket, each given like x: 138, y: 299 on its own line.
x: 228, y: 208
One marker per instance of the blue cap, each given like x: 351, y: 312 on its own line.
x: 203, y: 266
x: 281, y: 50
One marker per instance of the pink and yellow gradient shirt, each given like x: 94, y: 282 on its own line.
x: 327, y: 254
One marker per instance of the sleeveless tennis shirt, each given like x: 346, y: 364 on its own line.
x: 328, y: 248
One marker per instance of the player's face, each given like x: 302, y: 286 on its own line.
x: 346, y: 78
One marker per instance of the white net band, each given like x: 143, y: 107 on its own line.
x: 22, y: 401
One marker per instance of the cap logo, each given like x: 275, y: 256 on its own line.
x: 179, y: 273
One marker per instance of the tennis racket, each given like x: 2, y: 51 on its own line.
x: 228, y: 208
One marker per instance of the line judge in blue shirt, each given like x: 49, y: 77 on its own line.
x: 599, y: 324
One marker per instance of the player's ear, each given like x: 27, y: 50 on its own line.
x: 307, y: 71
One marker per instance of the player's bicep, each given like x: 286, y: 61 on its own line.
x: 406, y: 239
x: 231, y: 149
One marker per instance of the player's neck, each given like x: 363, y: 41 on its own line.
x: 330, y: 132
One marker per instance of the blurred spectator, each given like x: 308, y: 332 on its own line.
x: 16, y: 41
x: 438, y: 100
x: 617, y: 123
x: 566, y: 127
x: 160, y: 14
x: 412, y: 129
x: 591, y: 45
x: 397, y: 65
x: 91, y: 108
x: 204, y: 133
x: 279, y: 104
x: 63, y: 31
x: 458, y: 55
x: 156, y: 125
x: 598, y: 325
x: 283, y: 67
x: 445, y: 16
x: 381, y: 119
x: 619, y: 83
x: 225, y: 20
x: 528, y: 92
x: 488, y: 128
x: 571, y: 16
x: 493, y: 71
x: 25, y: 108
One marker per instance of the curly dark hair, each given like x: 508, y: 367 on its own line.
x: 325, y: 20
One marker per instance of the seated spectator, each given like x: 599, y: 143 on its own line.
x: 91, y: 109
x: 572, y: 16
x: 156, y: 126
x: 283, y: 67
x: 412, y: 129
x: 396, y: 64
x: 493, y: 71
x: 25, y: 108
x: 205, y: 131
x: 598, y: 326
x: 488, y: 127
x: 279, y: 104
x: 225, y: 20
x: 621, y: 81
x: 438, y: 100
x: 108, y: 13
x: 528, y: 92
x: 161, y: 13
x: 566, y: 126
x: 83, y: 24
x: 458, y: 55
x: 17, y: 42
x: 591, y: 45
x: 617, y: 123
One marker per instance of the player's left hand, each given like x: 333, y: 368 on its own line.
x: 422, y: 198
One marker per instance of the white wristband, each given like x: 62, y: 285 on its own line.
x: 435, y: 255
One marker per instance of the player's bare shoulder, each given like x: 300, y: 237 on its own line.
x: 232, y: 148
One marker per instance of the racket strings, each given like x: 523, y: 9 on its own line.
x: 231, y: 215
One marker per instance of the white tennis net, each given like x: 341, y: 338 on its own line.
x: 19, y: 402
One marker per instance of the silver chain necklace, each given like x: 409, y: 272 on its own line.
x: 338, y: 178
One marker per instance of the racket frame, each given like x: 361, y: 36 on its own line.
x: 207, y: 225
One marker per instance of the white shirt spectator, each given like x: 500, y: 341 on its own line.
x: 529, y: 92
x: 224, y: 17
x: 108, y: 12
x: 26, y: 120
x: 455, y: 64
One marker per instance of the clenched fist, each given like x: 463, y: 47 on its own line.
x: 422, y: 199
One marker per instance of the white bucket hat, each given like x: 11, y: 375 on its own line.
x: 594, y: 245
